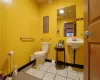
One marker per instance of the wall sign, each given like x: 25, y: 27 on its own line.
x: 45, y: 24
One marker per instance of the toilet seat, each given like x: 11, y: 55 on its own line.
x: 39, y: 53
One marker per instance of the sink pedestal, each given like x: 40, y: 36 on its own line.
x: 74, y: 57
x: 74, y: 43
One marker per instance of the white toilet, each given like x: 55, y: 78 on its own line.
x: 41, y: 55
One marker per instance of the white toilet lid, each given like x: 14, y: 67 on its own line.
x: 39, y: 53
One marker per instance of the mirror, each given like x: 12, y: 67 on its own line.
x: 66, y: 19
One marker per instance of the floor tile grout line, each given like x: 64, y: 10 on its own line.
x: 41, y: 70
x: 43, y: 76
x: 73, y: 72
x: 35, y: 72
x: 77, y: 72
x: 30, y: 75
x: 46, y: 72
x: 55, y: 75
x: 79, y: 76
x: 61, y: 75
x: 50, y: 72
x: 67, y: 73
x: 27, y: 69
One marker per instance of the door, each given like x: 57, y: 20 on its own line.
x: 68, y: 29
x: 92, y: 40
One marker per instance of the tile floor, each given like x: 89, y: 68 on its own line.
x: 48, y: 71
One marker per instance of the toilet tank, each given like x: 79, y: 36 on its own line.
x: 45, y: 46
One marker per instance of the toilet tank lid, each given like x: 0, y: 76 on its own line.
x: 40, y: 53
x: 45, y: 42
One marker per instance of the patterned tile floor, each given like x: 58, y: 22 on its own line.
x: 48, y: 71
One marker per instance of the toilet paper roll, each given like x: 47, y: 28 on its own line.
x: 11, y: 53
x: 53, y: 62
x: 31, y: 57
x: 15, y: 72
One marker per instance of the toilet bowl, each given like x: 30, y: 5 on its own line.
x: 41, y: 55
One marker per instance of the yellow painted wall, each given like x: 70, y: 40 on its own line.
x: 51, y: 11
x: 21, y: 19
x: 0, y: 36
x: 2, y: 24
x: 24, y: 18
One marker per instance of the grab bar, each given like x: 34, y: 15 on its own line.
x: 27, y: 39
x: 45, y: 39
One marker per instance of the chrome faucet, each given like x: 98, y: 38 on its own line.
x: 74, y: 39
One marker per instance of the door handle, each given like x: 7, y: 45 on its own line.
x: 86, y: 34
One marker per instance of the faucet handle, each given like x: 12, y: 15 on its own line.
x: 73, y: 39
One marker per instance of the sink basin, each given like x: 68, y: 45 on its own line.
x: 76, y: 43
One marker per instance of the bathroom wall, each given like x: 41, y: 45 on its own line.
x: 2, y: 23
x: 0, y: 36
x: 50, y: 10
x: 21, y: 19
x: 24, y: 18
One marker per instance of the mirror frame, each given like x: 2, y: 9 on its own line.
x: 74, y: 22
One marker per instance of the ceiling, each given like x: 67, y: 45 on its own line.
x: 41, y: 1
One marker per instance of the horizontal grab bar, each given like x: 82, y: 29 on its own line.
x: 45, y: 38
x: 26, y: 38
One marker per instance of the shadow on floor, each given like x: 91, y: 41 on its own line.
x: 23, y: 76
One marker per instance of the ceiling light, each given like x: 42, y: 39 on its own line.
x: 61, y: 11
x: 8, y: 1
x: 49, y: 1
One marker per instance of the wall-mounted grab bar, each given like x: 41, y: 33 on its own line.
x: 26, y: 39
x: 45, y: 39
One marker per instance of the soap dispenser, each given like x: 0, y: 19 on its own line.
x: 61, y: 43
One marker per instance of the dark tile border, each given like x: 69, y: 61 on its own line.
x: 26, y: 65
x: 21, y: 68
x: 48, y: 60
x: 68, y: 64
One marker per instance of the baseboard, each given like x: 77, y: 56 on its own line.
x: 48, y: 60
x: 26, y: 65
x: 21, y: 68
x: 68, y: 64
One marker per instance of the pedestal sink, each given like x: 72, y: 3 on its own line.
x: 75, y: 42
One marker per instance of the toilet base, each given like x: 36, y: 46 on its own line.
x: 40, y: 61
